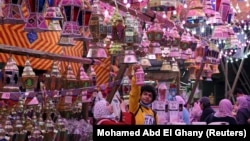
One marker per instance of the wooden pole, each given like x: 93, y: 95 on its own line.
x: 46, y: 55
x: 227, y: 85
x: 226, y: 79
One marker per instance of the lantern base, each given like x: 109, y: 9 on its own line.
x: 53, y: 13
x: 70, y: 29
x: 97, y: 51
x: 54, y: 25
x: 36, y: 22
x: 13, y: 14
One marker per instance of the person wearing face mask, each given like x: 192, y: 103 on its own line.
x: 140, y: 100
x: 104, y: 114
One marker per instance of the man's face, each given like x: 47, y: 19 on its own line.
x: 146, y: 97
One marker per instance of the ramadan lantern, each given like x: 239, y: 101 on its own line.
x: 71, y: 9
x: 36, y: 21
x: 12, y: 12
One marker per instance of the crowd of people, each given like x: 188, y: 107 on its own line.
x: 140, y: 112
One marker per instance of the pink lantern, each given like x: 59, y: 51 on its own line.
x: 71, y: 9
x: 53, y: 11
x: 224, y: 9
x: 36, y: 20
x: 139, y: 76
x: 12, y: 12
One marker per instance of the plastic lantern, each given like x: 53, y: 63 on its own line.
x: 36, y: 21
x: 12, y: 12
x: 139, y: 77
x: 71, y: 9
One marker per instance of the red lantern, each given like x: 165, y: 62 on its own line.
x: 12, y: 12
x: 71, y: 9
x: 36, y: 20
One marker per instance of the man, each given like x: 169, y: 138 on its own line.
x: 140, y: 100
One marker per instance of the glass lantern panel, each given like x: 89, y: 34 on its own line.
x: 40, y: 5
x: 81, y: 18
x: 67, y: 11
x: 75, y: 13
x: 32, y: 5
x: 87, y: 15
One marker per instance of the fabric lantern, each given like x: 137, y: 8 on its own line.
x: 36, y: 21
x: 71, y: 9
x: 12, y: 12
x: 139, y: 77
x: 83, y: 21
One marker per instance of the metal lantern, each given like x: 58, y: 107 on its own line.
x: 83, y: 78
x: 11, y: 76
x: 36, y: 21
x: 53, y: 10
x: 29, y: 78
x: 129, y: 30
x: 155, y: 32
x: 71, y: 9
x: 53, y: 79
x: 97, y: 50
x: 139, y: 76
x: 12, y: 12
x: 129, y: 57
x: 118, y: 27
x: 96, y: 24
x: 83, y: 21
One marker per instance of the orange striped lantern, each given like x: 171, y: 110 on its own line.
x: 36, y: 21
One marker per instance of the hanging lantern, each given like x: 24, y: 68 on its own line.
x: 36, y: 21
x: 118, y: 27
x: 195, y: 14
x: 53, y: 79
x: 224, y: 9
x: 139, y: 76
x: 96, y: 23
x: 97, y: 50
x: 83, y: 78
x: 11, y: 76
x: 129, y: 29
x: 71, y: 9
x: 83, y: 21
x: 29, y: 78
x: 66, y: 41
x: 166, y: 66
x: 129, y: 55
x: 69, y: 79
x: 215, y: 20
x: 155, y: 32
x: 12, y: 12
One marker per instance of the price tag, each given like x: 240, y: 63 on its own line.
x: 6, y: 96
x: 68, y: 99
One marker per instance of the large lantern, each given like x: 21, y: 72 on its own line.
x: 36, y: 20
x: 12, y: 12
x: 71, y: 9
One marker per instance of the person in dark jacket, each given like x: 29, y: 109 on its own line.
x: 243, y: 112
x: 206, y: 109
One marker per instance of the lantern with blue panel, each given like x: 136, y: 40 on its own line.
x: 36, y: 21
x: 54, y: 15
x: 12, y: 12
x: 83, y: 21
x: 71, y: 9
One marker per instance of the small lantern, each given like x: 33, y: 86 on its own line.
x: 139, y: 77
x: 71, y: 9
x: 11, y: 76
x: 36, y: 21
x: 96, y: 24
x: 53, y: 80
x: 155, y: 32
x: 118, y: 27
x: 83, y: 21
x: 69, y: 80
x: 12, y: 12
x: 126, y: 87
x: 83, y: 78
x: 29, y: 78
